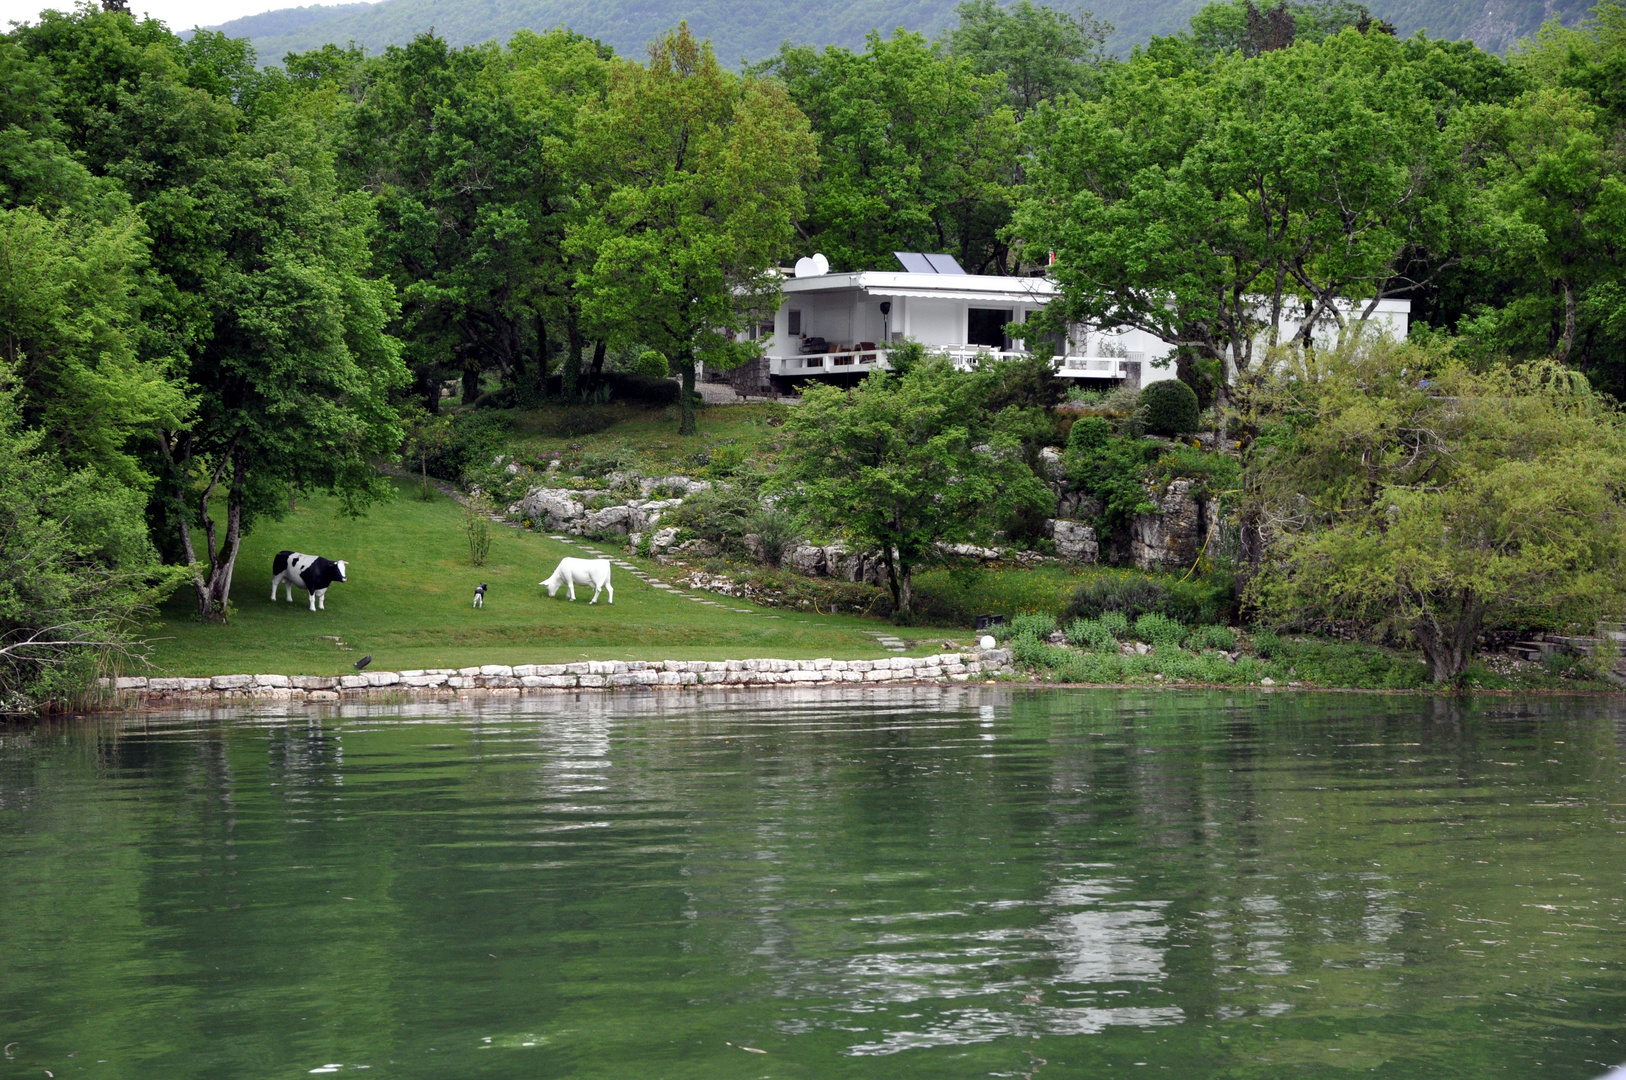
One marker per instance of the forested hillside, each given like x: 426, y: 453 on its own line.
x: 740, y: 29
x: 224, y: 287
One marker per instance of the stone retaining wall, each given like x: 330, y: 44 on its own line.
x: 584, y: 675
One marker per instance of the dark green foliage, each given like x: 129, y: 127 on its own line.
x: 1169, y: 407
x: 1341, y: 663
x: 1092, y: 634
x: 1156, y: 629
x: 76, y: 568
x: 1202, y: 598
x: 1217, y: 474
x: 1193, y: 600
x: 1212, y: 637
x: 475, y: 438
x: 642, y: 388
x: 1111, y: 469
x: 722, y: 516
x: 1128, y: 594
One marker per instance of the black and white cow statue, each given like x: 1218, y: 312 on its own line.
x: 310, y: 572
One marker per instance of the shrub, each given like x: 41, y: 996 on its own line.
x: 1212, y: 637
x: 620, y: 458
x: 1210, y: 598
x: 651, y: 365
x: 1170, y: 408
x: 1267, y: 644
x: 1215, y: 473
x: 1091, y: 634
x: 642, y: 389
x: 776, y: 530
x: 1029, y: 651
x: 1159, y: 630
x: 1091, y: 668
x: 477, y: 513
x: 1089, y: 433
x: 1130, y: 594
x: 474, y: 439
x: 1040, y: 626
x: 722, y: 515
x: 1116, y: 623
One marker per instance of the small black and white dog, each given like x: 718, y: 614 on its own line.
x: 480, y: 595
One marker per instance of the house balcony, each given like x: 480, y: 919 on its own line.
x: 856, y: 362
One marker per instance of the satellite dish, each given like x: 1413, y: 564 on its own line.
x: 806, y: 267
x: 822, y: 264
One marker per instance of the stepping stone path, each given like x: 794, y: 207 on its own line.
x: 890, y: 643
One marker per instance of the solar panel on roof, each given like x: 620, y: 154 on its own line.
x: 914, y: 262
x: 945, y: 264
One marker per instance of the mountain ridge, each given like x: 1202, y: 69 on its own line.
x: 741, y: 30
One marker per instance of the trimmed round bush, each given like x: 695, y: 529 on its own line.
x: 1169, y: 408
x: 651, y: 365
x: 1089, y: 433
x: 1159, y: 630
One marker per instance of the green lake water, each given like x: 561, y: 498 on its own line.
x: 902, y: 884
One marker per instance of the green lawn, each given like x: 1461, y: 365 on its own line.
x: 407, y: 602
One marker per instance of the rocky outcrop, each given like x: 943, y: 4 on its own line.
x: 682, y: 486
x: 550, y: 508
x: 564, y: 510
x: 1075, y: 541
x: 1173, y: 537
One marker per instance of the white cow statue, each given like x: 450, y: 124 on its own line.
x: 573, y: 572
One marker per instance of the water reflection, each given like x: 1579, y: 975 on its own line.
x: 858, y: 883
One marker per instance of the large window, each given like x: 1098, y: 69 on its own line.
x: 986, y: 327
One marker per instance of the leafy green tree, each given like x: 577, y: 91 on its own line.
x: 256, y: 284
x: 696, y: 188
x: 1241, y: 26
x: 918, y: 152
x: 903, y: 463
x: 1398, y: 490
x: 76, y: 566
x: 1043, y: 53
x: 1210, y: 208
x: 292, y: 386
x: 472, y: 197
x: 1551, y: 167
x: 68, y: 333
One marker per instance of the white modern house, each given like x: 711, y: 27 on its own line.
x: 836, y: 327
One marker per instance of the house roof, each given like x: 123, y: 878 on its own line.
x: 935, y: 286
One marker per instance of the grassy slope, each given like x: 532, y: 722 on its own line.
x: 408, y: 604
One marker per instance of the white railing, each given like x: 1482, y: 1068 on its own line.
x: 964, y: 357
x: 827, y: 363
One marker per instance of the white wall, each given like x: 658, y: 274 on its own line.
x: 936, y: 322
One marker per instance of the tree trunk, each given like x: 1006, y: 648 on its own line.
x: 686, y: 425
x: 572, y: 371
x: 429, y: 387
x: 541, y: 354
x: 906, y: 579
x: 892, y: 581
x: 598, y: 362
x: 1562, y: 352
x: 471, y: 385
x: 214, y: 590
x: 1448, y: 634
